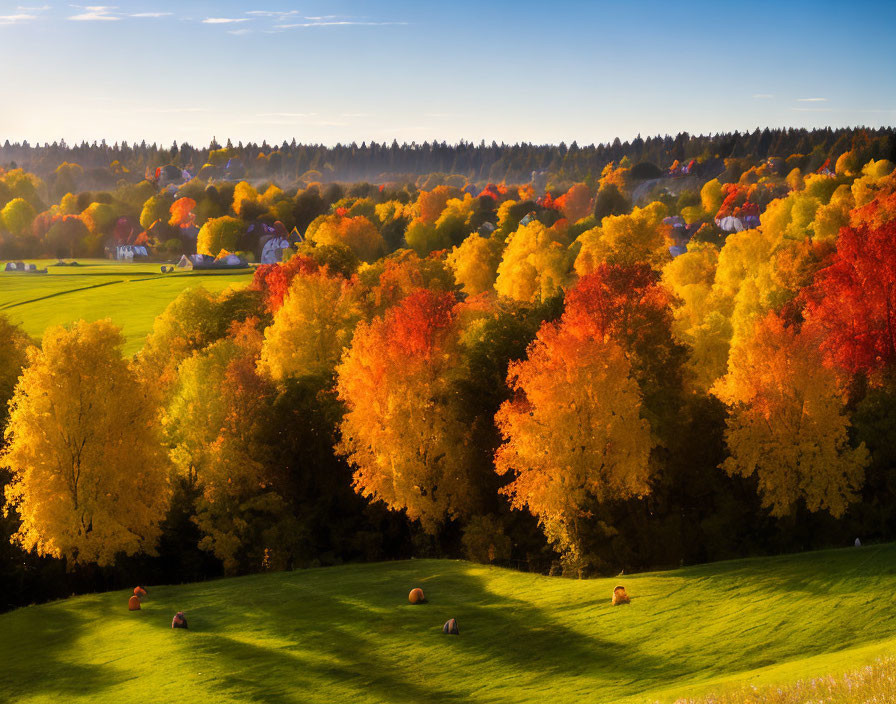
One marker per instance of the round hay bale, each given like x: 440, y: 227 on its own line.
x: 179, y: 620
x: 134, y: 603
x: 139, y: 592
x: 620, y: 596
x: 416, y: 596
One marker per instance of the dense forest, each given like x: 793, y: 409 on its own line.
x: 291, y: 164
x: 571, y: 360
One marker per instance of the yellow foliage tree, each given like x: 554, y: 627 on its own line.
x: 89, y: 477
x: 831, y: 217
x: 787, y: 424
x: 475, y: 263
x: 536, y: 263
x: 311, y: 329
x: 625, y: 239
x: 244, y: 196
x: 698, y: 322
x: 711, y: 196
x: 217, y: 234
x: 357, y: 233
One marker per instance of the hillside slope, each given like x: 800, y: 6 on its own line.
x: 348, y: 633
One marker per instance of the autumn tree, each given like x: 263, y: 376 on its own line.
x: 575, y: 204
x: 397, y: 276
x: 357, y: 233
x: 699, y: 321
x: 66, y: 235
x: 574, y: 435
x: 273, y: 280
x: 711, y: 196
x: 17, y: 216
x: 402, y: 432
x: 217, y: 234
x: 99, y: 218
x: 475, y: 263
x: 182, y: 212
x: 214, y: 431
x: 89, y: 478
x: 851, y: 302
x: 312, y: 328
x: 536, y: 262
x: 191, y: 322
x: 625, y: 239
x: 787, y: 424
x: 156, y: 208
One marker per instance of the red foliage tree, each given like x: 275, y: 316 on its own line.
x: 618, y: 302
x: 851, y: 304
x: 274, y: 279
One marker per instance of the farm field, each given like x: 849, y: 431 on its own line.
x: 132, y: 295
x: 348, y: 634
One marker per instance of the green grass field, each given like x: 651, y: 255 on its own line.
x: 348, y: 634
x: 132, y: 295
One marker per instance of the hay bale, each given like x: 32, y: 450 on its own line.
x: 416, y: 596
x: 179, y: 620
x: 134, y: 603
x: 139, y: 592
x: 620, y: 596
x: 451, y: 628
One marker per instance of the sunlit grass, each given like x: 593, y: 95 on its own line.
x: 349, y: 634
x: 871, y: 684
x: 131, y: 294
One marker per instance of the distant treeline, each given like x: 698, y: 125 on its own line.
x: 105, y: 164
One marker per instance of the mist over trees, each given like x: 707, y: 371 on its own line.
x: 101, y: 165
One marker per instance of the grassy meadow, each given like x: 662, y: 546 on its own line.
x: 132, y: 295
x: 348, y: 633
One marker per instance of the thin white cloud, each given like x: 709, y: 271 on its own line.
x: 762, y: 96
x: 811, y: 100
x: 239, y: 32
x: 342, y: 23
x: 224, y: 20
x: 273, y: 13
x: 16, y: 19
x: 94, y: 13
x: 812, y: 109
x: 151, y: 14
x: 41, y: 8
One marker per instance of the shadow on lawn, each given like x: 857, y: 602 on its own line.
x: 32, y: 663
x: 349, y: 641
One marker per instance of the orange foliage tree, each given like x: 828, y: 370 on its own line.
x: 402, y: 431
x: 574, y: 435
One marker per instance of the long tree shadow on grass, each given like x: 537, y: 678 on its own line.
x: 345, y: 639
x: 34, y: 660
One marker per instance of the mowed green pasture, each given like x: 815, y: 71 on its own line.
x: 132, y: 295
x: 349, y: 634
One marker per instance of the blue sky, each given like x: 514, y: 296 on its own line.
x: 349, y: 70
